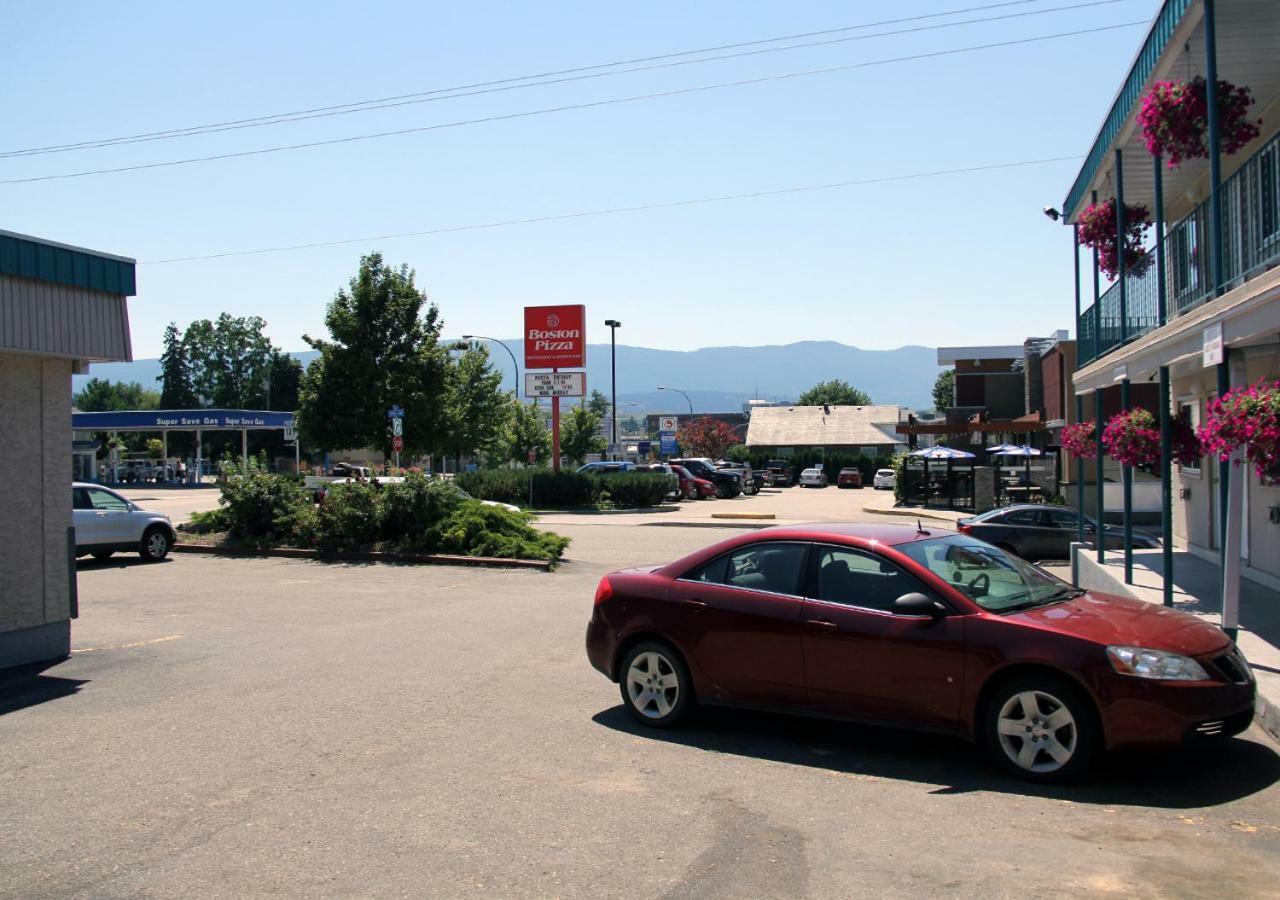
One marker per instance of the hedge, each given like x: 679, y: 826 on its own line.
x: 552, y: 490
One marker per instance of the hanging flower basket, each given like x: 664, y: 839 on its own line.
x: 1246, y: 417
x: 1097, y: 227
x: 1132, y: 439
x: 1175, y: 119
x: 1187, y: 449
x: 1080, y: 440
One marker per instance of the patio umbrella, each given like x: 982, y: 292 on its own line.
x: 947, y: 453
x: 1020, y: 450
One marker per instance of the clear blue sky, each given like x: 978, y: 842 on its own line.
x: 952, y: 260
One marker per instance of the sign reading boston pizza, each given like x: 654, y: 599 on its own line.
x: 555, y: 337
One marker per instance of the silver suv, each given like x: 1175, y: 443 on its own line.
x: 107, y: 522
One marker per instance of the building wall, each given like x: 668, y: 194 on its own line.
x: 35, y: 507
x: 60, y: 320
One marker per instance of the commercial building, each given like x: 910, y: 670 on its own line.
x: 60, y: 308
x: 1198, y: 311
x: 868, y: 430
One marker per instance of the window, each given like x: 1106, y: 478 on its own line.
x: 80, y: 499
x: 1062, y: 518
x: 104, y: 500
x: 708, y: 573
x: 1030, y: 517
x: 774, y: 567
x: 1189, y: 410
x: 855, y: 578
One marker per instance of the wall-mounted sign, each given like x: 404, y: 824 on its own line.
x: 1213, y: 345
x: 555, y: 337
x: 555, y: 384
x: 667, y: 423
x: 1120, y: 373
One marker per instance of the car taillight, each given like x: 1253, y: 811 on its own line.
x: 604, y: 590
x: 966, y: 529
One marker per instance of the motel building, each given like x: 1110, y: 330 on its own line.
x: 1199, y: 312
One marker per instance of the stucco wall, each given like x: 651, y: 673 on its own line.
x: 35, y: 502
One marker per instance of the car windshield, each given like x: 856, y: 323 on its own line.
x: 995, y: 580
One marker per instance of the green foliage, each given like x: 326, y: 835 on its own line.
x: 564, y: 490
x: 206, y: 521
x: 383, y: 351
x: 349, y: 518
x: 100, y: 395
x: 599, y: 404
x: 629, y: 490
x: 475, y: 406
x: 473, y: 529
x: 899, y: 466
x: 176, y: 391
x: 738, y: 453
x: 526, y: 429
x: 944, y: 390
x: 227, y: 360
x: 412, y: 507
x: 835, y: 392
x: 155, y: 448
x: 258, y: 506
x: 580, y: 434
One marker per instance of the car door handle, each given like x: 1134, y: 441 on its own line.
x: 822, y: 623
x: 696, y: 604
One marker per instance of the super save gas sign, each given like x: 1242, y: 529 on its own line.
x: 555, y: 337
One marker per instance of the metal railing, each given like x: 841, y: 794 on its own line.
x: 1251, y: 246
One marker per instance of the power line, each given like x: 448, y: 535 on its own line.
x: 514, y: 82
x: 616, y: 210
x: 675, y: 92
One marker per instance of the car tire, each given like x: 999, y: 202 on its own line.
x: 1042, y: 728
x: 655, y: 684
x: 155, y: 544
x: 102, y: 555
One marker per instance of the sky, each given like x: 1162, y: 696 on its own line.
x: 953, y: 259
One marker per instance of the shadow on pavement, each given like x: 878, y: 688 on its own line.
x: 24, y: 686
x: 1188, y: 778
x: 122, y: 560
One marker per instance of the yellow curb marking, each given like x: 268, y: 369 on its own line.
x: 172, y: 637
x: 743, y: 516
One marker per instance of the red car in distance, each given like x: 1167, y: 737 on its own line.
x: 929, y: 629
x: 691, y: 486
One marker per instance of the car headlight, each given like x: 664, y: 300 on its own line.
x: 1158, y: 664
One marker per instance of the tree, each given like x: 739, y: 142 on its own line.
x: 475, y: 405
x: 384, y: 351
x: 944, y: 390
x: 526, y: 430
x: 706, y: 436
x: 100, y: 395
x: 228, y: 359
x: 598, y: 403
x: 175, y: 373
x: 284, y: 378
x: 580, y: 434
x: 631, y: 425
x: 835, y: 392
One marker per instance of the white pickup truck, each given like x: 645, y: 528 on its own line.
x: 344, y: 473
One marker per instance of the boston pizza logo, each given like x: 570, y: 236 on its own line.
x: 553, y: 321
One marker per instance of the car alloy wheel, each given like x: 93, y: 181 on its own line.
x: 1037, y: 732
x: 655, y: 684
x: 155, y: 545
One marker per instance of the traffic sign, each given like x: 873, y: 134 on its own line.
x: 289, y: 434
x: 397, y: 427
x: 397, y: 443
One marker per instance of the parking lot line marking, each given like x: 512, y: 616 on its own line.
x: 160, y: 640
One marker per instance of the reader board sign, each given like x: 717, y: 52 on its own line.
x: 555, y: 337
x: 555, y: 384
x: 667, y: 444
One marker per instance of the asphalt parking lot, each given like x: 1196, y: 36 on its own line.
x: 276, y: 727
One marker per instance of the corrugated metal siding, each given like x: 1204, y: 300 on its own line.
x: 64, y: 265
x: 59, y: 320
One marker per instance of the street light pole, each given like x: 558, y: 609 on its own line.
x: 663, y: 387
x: 515, y: 365
x: 614, y: 325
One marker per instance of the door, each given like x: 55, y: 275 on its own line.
x: 743, y: 625
x: 864, y: 660
x: 1064, y: 525
x: 111, y: 518
x: 1031, y: 533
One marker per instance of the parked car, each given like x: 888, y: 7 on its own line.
x: 884, y: 480
x: 926, y: 629
x: 849, y: 478
x: 1036, y: 531
x: 750, y: 486
x: 693, y: 487
x: 813, y: 477
x: 606, y: 467
x: 728, y: 484
x: 778, y: 471
x: 107, y: 522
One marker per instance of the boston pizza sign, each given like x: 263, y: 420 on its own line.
x: 555, y: 337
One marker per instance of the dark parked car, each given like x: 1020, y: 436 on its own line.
x: 778, y: 471
x: 1044, y: 532
x: 927, y: 629
x: 728, y: 484
x: 751, y: 481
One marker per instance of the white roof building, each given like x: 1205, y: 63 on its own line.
x: 826, y: 426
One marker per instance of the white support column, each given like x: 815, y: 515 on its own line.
x: 164, y: 454
x: 199, y: 454
x: 1234, y: 513
x: 244, y: 446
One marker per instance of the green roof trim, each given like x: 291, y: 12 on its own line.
x: 28, y: 257
x: 1158, y: 37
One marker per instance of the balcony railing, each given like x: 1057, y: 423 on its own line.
x: 1250, y: 246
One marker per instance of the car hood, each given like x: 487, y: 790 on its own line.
x: 1111, y: 619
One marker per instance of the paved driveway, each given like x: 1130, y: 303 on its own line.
x: 259, y: 727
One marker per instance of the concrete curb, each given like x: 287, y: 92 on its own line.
x: 748, y: 525
x: 587, y: 511
x: 431, y: 559
x: 907, y: 512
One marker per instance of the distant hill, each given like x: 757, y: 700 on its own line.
x: 717, y: 379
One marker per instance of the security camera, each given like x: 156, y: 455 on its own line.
x: 1052, y: 213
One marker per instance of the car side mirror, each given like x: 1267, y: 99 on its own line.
x: 917, y: 604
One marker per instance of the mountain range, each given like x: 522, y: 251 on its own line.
x: 717, y: 379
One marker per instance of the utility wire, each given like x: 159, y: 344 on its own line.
x: 616, y: 210
x: 675, y: 92
x: 537, y: 79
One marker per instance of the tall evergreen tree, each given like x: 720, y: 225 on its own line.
x: 175, y: 373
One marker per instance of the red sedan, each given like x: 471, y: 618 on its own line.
x: 927, y: 629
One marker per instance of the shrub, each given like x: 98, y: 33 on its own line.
x: 349, y: 518
x: 259, y: 506
x: 412, y: 507
x: 628, y: 490
x: 206, y: 521
x: 473, y: 529
x: 550, y: 489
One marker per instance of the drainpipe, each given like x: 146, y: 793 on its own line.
x: 1102, y: 525
x: 1215, y: 144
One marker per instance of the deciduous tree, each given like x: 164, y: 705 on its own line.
x: 835, y: 392
x: 580, y: 434
x: 526, y: 431
x: 475, y: 405
x: 706, y: 436
x: 944, y: 390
